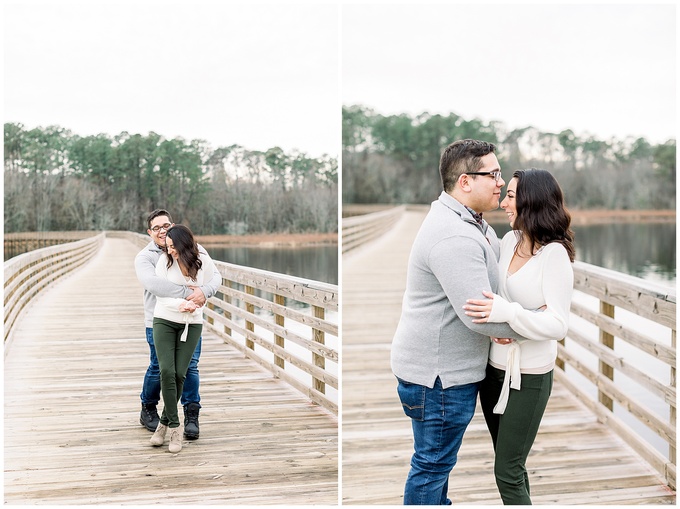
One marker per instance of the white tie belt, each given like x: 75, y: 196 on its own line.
x: 512, y: 379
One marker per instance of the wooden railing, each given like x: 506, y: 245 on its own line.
x: 645, y: 335
x: 358, y: 230
x: 27, y: 274
x: 286, y: 324
x: 23, y: 242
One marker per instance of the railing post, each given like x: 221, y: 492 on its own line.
x: 250, y: 308
x: 319, y: 360
x: 560, y: 362
x: 671, y: 449
x: 280, y: 320
x: 227, y: 314
x: 607, y: 340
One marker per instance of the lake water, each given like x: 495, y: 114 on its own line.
x: 644, y: 250
x: 319, y: 263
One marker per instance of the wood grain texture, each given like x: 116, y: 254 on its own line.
x: 73, y: 375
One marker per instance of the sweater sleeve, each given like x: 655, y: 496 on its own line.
x: 170, y: 303
x: 212, y: 278
x: 463, y: 274
x: 158, y: 286
x: 557, y: 283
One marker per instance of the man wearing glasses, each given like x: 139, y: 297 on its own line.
x: 439, y: 355
x: 159, y: 221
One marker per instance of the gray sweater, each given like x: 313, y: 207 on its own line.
x: 453, y: 259
x: 145, y: 267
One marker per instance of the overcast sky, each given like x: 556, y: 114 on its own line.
x: 255, y: 75
x: 275, y: 75
x: 609, y: 70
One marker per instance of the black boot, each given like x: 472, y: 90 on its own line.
x: 191, y: 421
x: 149, y: 416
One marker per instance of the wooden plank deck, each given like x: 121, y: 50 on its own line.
x: 73, y: 374
x: 575, y: 459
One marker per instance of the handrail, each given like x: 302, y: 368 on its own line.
x: 27, y: 274
x: 286, y: 324
x: 591, y: 339
x: 358, y: 230
x: 22, y: 242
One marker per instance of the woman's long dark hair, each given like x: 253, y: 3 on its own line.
x: 542, y: 217
x: 186, y: 247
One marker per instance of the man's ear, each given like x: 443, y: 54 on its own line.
x: 464, y: 183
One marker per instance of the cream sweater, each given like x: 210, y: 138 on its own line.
x: 168, y: 307
x: 547, y: 279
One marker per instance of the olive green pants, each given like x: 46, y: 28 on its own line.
x: 174, y: 357
x: 513, y: 432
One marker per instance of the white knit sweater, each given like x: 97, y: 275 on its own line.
x: 547, y: 279
x: 168, y: 307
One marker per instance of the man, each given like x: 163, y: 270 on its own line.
x: 438, y: 355
x: 159, y: 221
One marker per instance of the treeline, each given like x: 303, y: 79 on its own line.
x: 395, y: 159
x: 56, y: 180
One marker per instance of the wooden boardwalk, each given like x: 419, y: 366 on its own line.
x: 575, y: 459
x: 73, y: 373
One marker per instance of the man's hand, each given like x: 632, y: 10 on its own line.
x: 503, y: 341
x: 197, y: 297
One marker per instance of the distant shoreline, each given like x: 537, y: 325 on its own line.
x: 269, y: 240
x: 579, y: 217
x: 586, y: 217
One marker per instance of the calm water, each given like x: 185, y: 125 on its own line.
x: 319, y: 263
x: 643, y: 250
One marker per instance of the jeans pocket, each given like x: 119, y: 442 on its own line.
x: 412, y: 398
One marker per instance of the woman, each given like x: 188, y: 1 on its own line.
x: 177, y: 326
x: 535, y: 288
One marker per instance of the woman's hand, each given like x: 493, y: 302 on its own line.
x: 502, y: 341
x: 480, y: 309
x: 188, y: 307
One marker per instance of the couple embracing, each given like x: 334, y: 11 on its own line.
x: 483, y: 317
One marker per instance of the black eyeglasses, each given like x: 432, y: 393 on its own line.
x: 158, y: 228
x: 495, y: 174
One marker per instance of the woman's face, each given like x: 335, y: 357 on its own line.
x: 170, y: 244
x: 508, y: 203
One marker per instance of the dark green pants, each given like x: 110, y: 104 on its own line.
x: 174, y: 357
x: 513, y: 432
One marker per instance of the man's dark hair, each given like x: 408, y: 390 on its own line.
x: 460, y: 157
x: 154, y: 214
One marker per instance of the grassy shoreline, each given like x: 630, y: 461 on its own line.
x: 586, y: 217
x: 270, y: 239
x: 579, y: 217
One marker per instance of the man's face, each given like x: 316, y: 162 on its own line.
x: 159, y: 229
x: 486, y: 190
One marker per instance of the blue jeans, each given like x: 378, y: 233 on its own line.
x: 439, y: 417
x: 151, y: 390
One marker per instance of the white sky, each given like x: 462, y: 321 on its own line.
x: 608, y: 70
x: 264, y: 75
x: 255, y: 75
